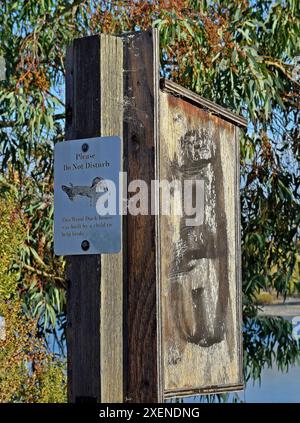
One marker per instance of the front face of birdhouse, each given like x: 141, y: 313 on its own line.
x: 199, y: 250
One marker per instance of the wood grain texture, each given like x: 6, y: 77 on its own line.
x: 141, y: 301
x: 200, y: 265
x: 83, y: 272
x: 203, y: 103
x: 238, y: 252
x: 111, y: 97
x: 94, y: 98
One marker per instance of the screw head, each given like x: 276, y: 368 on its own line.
x: 85, y: 147
x: 85, y: 245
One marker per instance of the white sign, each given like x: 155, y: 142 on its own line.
x: 86, y: 187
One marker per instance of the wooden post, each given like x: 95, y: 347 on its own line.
x: 83, y: 272
x: 112, y: 89
x: 141, y: 83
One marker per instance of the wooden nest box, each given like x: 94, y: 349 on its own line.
x: 162, y: 318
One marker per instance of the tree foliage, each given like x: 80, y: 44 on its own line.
x: 28, y: 372
x: 239, y: 54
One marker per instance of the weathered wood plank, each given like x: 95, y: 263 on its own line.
x: 200, y: 273
x: 83, y: 88
x: 140, y: 133
x: 94, y: 107
x: 111, y: 97
x: 83, y: 272
x: 238, y: 253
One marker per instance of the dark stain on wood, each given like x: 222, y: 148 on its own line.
x: 200, y: 159
x: 140, y: 288
x: 83, y: 272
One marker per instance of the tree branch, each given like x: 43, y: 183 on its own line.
x: 283, y: 70
x: 14, y: 123
x: 41, y: 273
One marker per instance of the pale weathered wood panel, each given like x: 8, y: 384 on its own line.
x: 200, y: 278
x: 111, y: 321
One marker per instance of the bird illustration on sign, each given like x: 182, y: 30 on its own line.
x: 92, y: 192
